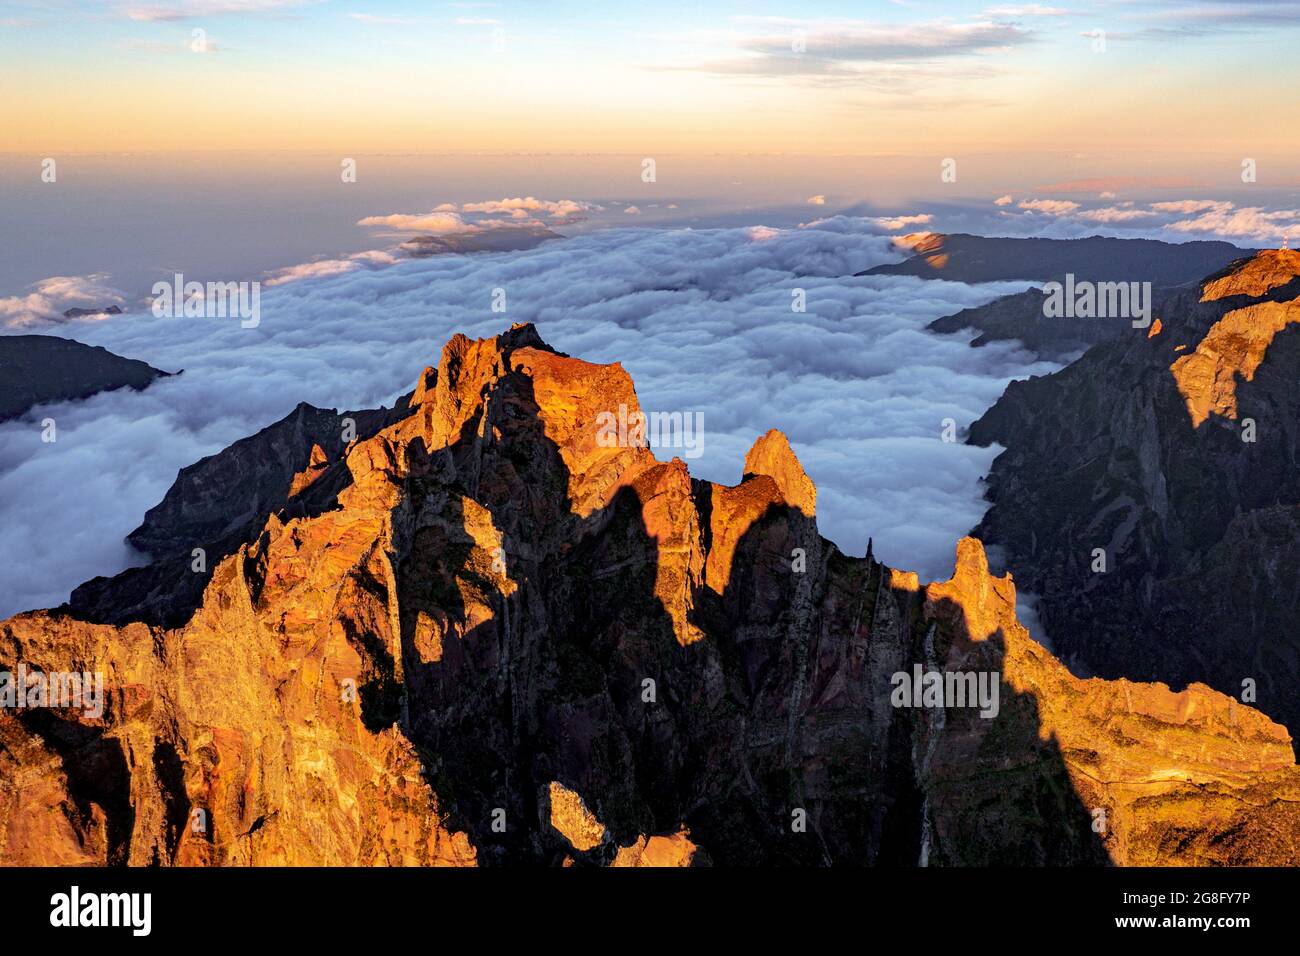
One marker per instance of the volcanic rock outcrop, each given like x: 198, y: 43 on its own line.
x: 1149, y: 493
x: 493, y: 638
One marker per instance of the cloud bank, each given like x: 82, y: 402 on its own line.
x: 1172, y: 221
x: 51, y: 297
x: 520, y: 212
x: 702, y: 320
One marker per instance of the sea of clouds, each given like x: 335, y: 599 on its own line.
x: 701, y: 319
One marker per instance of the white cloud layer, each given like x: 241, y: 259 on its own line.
x: 702, y: 319
x: 894, y: 223
x: 320, y: 268
x: 51, y: 297
x: 522, y: 211
x: 1172, y: 221
x: 435, y: 223
x: 556, y: 209
x: 1052, y: 207
x: 1247, y: 222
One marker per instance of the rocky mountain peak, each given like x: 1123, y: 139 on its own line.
x: 454, y: 395
x: 425, y: 386
x: 1254, y: 276
x: 920, y: 242
x: 317, y: 463
x: 987, y: 603
x: 772, y: 455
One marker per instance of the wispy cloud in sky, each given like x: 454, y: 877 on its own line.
x: 191, y: 9
x: 849, y: 48
x: 915, y: 79
x: 452, y: 219
x: 1172, y: 220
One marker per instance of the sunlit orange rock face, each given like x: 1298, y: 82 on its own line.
x: 920, y: 242
x: 1174, y: 458
x: 570, y: 816
x: 480, y: 634
x: 1255, y: 277
x: 316, y: 466
x: 773, y: 456
x: 1192, y: 777
x: 1235, y: 345
x: 1231, y: 351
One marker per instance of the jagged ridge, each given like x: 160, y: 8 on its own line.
x: 499, y: 586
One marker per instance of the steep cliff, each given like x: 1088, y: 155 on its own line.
x: 1150, y: 495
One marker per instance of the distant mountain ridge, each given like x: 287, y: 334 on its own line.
x: 1022, y: 316
x: 961, y: 257
x: 501, y: 239
x: 36, y: 369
